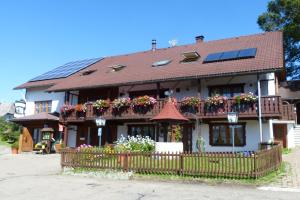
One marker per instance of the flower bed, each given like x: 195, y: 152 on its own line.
x: 120, y: 105
x: 135, y: 144
x: 143, y: 104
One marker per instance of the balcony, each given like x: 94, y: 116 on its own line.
x: 272, y: 107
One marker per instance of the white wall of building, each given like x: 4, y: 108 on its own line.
x: 39, y: 94
x: 252, y: 137
x: 290, y: 136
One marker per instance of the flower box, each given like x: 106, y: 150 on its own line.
x: 143, y: 104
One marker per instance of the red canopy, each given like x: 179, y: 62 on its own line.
x: 169, y: 113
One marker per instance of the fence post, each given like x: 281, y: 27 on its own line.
x: 125, y: 166
x: 255, y: 166
x: 181, y: 164
x: 62, y: 158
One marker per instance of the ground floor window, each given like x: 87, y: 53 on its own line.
x: 142, y: 129
x: 221, y: 134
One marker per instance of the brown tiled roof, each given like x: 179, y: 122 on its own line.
x: 37, y: 117
x: 169, y: 113
x: 45, y: 83
x: 269, y: 57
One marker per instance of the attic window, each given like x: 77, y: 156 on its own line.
x: 161, y: 63
x: 116, y: 68
x: 88, y: 72
x: 190, y: 56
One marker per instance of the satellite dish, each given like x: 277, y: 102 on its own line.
x: 173, y: 42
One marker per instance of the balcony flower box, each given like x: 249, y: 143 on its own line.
x: 245, y: 101
x: 66, y: 110
x: 143, y: 104
x: 80, y: 110
x: 100, y: 106
x: 190, y: 104
x: 215, y: 104
x: 120, y: 105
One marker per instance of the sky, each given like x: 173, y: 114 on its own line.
x: 39, y: 35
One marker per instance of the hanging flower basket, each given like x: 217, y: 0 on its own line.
x: 190, y: 104
x: 120, y: 105
x: 215, y: 103
x: 143, y: 104
x: 66, y: 109
x: 100, y: 106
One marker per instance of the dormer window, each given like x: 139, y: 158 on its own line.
x: 190, y: 56
x: 161, y: 63
x: 116, y: 68
x: 88, y: 72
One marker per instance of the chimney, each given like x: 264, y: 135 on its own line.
x: 153, y: 45
x: 199, y: 39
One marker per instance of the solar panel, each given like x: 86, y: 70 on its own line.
x: 213, y: 57
x: 231, y: 55
x: 228, y: 55
x: 66, y: 69
x: 247, y: 53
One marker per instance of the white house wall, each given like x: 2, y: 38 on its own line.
x: 252, y: 137
x: 39, y: 94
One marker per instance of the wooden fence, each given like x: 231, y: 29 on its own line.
x: 238, y: 165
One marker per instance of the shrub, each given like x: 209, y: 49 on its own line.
x: 135, y: 144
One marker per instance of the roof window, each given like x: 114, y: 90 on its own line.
x: 88, y: 72
x: 161, y: 63
x: 190, y: 56
x: 118, y: 67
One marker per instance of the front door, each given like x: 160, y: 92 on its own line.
x: 187, y: 132
x: 72, y: 136
x: 280, y: 133
x: 26, y: 140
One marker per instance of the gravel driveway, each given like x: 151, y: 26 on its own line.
x: 29, y: 176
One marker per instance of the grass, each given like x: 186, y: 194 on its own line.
x: 286, y: 151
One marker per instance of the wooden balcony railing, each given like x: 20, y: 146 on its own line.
x: 271, y: 106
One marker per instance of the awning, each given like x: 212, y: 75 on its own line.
x: 169, y: 113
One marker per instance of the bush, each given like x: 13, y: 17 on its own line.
x: 9, y: 132
x: 135, y: 144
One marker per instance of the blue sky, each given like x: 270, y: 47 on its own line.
x: 39, y: 35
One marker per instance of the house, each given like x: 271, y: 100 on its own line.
x: 226, y: 68
x: 7, y: 111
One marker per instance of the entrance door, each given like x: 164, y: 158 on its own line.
x: 298, y: 112
x: 280, y: 133
x: 72, y: 135
x: 26, y: 139
x: 187, y: 132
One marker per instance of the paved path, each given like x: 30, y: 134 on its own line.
x: 38, y: 177
x: 292, y: 179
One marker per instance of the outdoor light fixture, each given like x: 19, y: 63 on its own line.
x: 232, y: 118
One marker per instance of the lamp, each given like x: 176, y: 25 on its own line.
x: 232, y: 118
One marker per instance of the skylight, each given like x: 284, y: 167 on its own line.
x: 88, y: 72
x: 190, y: 56
x: 161, y: 63
x: 117, y: 67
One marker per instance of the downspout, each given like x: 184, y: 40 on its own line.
x: 259, y: 108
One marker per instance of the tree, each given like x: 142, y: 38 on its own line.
x: 284, y: 15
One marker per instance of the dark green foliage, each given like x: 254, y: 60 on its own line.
x: 284, y: 15
x: 9, y: 131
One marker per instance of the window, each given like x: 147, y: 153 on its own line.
x: 221, y: 134
x: 226, y: 90
x: 190, y: 56
x: 43, y: 106
x: 142, y: 129
x: 116, y: 68
x: 161, y: 63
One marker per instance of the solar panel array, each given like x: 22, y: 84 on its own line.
x: 231, y: 55
x: 66, y: 69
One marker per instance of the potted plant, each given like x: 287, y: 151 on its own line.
x: 15, y: 147
x: 120, y: 105
x: 100, y: 106
x: 80, y: 110
x: 66, y: 109
x: 190, y: 104
x: 143, y: 104
x: 215, y: 103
